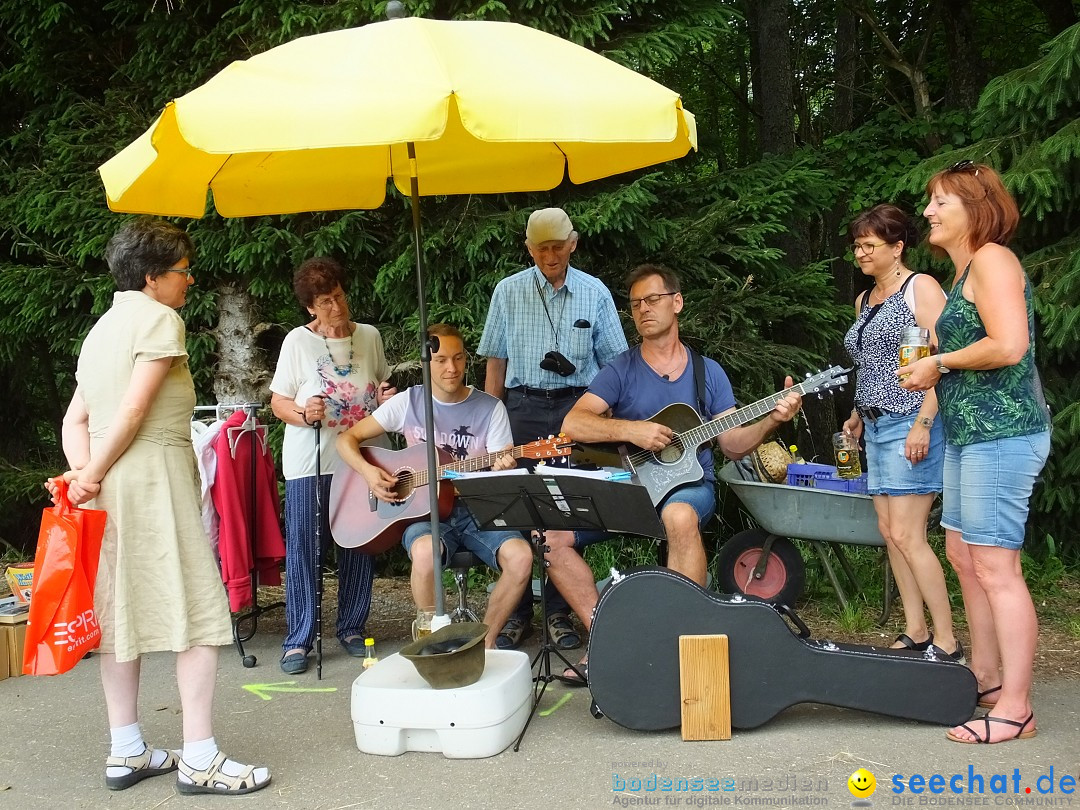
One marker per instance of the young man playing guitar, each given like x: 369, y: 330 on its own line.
x: 616, y: 408
x: 468, y: 423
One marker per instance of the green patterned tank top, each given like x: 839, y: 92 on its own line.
x: 978, y: 406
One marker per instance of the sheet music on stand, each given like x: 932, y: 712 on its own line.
x: 557, y: 499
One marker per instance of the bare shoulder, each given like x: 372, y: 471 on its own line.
x: 925, y: 284
x: 995, y: 267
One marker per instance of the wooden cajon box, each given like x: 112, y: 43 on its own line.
x: 705, y: 686
x: 5, y: 667
x: 13, y: 628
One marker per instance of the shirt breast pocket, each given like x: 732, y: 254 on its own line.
x: 581, y: 342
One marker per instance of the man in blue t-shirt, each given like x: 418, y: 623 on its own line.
x: 617, y: 408
x: 468, y: 423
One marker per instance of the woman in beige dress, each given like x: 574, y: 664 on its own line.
x: 126, y: 436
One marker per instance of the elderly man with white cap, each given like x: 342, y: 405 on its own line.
x: 549, y: 330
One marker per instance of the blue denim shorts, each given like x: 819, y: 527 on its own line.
x: 701, y: 496
x: 888, y: 471
x: 459, y: 531
x: 987, y: 488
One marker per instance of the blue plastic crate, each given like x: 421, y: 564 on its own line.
x: 823, y: 476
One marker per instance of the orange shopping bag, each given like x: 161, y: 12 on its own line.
x: 62, y: 626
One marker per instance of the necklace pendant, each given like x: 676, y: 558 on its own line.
x: 341, y: 371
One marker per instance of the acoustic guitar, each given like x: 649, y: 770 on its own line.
x: 634, y: 660
x: 677, y: 464
x: 360, y: 520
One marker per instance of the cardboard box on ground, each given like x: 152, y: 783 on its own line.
x: 12, y: 637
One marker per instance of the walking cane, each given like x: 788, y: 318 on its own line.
x: 317, y: 425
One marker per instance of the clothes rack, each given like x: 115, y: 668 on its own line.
x: 246, y: 623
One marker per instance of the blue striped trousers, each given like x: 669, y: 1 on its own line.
x: 356, y: 571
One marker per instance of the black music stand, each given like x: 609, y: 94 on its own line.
x: 550, y: 500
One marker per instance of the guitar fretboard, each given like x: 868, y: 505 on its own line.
x: 711, y: 429
x: 474, y: 464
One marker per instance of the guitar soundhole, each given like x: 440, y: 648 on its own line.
x: 405, y: 484
x: 670, y: 454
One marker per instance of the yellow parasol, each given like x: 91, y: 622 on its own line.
x: 438, y: 107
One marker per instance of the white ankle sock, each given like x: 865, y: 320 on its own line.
x: 127, y: 741
x: 199, y: 755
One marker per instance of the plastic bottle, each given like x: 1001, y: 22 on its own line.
x: 370, y: 659
x: 795, y: 454
x: 847, y: 455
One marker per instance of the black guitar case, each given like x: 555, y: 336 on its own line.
x: 634, y: 660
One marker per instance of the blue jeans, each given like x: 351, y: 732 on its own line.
x: 888, y: 471
x: 988, y: 486
x: 458, y: 531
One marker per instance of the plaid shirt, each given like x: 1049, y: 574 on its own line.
x: 517, y: 305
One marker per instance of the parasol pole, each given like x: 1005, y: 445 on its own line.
x: 440, y: 619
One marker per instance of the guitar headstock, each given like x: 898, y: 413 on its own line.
x: 824, y: 381
x: 551, y: 447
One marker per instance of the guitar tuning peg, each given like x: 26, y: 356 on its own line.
x: 820, y: 395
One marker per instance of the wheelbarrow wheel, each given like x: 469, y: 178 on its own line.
x: 784, y: 575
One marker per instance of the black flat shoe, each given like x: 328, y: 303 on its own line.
x: 956, y: 655
x: 910, y: 643
x: 294, y: 663
x: 572, y: 678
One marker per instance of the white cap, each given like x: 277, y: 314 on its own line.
x: 547, y: 225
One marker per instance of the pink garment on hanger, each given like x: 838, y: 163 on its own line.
x: 232, y: 494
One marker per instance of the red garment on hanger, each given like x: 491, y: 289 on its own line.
x: 234, y: 499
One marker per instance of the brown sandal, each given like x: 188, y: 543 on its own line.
x: 212, y: 780
x: 985, y: 737
x: 981, y: 697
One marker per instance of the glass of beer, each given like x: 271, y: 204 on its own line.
x: 914, y: 345
x: 421, y: 625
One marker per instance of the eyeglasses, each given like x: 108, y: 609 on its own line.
x: 651, y: 300
x: 327, y: 303
x: 185, y: 270
x: 866, y: 247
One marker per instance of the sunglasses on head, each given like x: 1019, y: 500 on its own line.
x: 964, y: 166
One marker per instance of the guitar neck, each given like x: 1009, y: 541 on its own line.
x: 473, y: 464
x: 697, y: 436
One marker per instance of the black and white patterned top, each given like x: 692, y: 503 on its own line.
x: 873, y: 342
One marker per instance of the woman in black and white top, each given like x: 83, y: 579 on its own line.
x: 905, y: 445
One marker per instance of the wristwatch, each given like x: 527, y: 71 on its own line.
x: 925, y: 421
x: 941, y: 367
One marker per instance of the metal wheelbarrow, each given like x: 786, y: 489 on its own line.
x: 763, y: 561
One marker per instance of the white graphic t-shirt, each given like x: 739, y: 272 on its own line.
x: 477, y: 425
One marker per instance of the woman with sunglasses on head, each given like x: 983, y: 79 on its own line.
x: 330, y: 373
x: 905, y: 445
x: 997, y: 433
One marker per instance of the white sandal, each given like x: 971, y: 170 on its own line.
x: 213, y: 780
x: 138, y: 767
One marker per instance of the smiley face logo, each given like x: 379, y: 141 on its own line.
x: 862, y: 784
